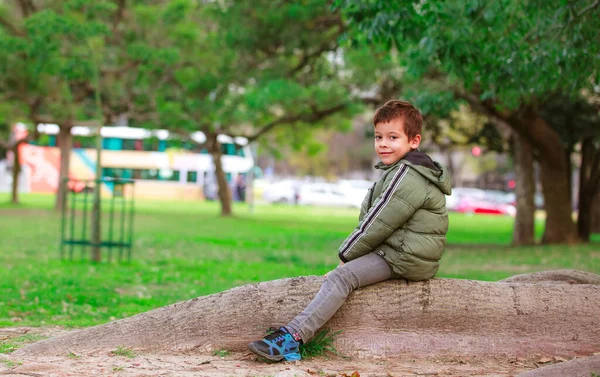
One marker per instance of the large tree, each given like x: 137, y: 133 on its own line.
x: 247, y: 69
x: 505, y: 58
x: 49, y: 66
x: 59, y: 54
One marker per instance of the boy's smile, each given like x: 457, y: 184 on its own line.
x: 391, y: 142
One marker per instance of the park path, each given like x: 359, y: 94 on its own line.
x: 237, y: 364
x: 243, y: 364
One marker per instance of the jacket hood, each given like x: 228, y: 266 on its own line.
x: 432, y: 170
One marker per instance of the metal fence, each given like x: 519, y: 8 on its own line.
x: 116, y: 214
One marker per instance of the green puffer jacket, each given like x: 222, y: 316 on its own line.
x: 403, y: 218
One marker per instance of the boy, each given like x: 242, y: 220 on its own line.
x: 401, y: 231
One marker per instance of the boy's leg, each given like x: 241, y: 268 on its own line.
x: 360, y: 272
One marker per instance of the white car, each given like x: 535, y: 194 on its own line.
x: 355, y: 189
x: 282, y: 192
x: 329, y: 194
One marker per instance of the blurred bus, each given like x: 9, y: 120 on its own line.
x: 163, y: 165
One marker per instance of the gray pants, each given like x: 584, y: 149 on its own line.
x: 360, y: 272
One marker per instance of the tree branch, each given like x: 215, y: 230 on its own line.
x: 27, y: 7
x: 10, y: 27
x: 306, y: 58
x: 588, y: 8
x: 314, y: 116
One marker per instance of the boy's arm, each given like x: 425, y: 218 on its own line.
x: 399, y: 200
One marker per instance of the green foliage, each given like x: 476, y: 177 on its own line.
x: 246, y: 65
x: 124, y: 351
x: 572, y: 119
x: 320, y: 345
x: 510, y: 51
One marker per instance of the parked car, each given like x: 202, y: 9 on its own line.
x: 458, y: 193
x: 286, y: 191
x: 328, y: 194
x: 490, y: 207
x: 473, y: 200
x: 355, y: 190
x: 501, y: 196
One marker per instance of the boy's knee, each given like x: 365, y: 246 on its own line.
x: 342, y: 277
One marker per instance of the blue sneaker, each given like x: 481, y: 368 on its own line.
x: 278, y: 345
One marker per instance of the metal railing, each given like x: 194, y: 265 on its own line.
x: 116, y: 219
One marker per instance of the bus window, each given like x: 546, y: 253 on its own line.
x: 228, y: 149
x: 192, y: 176
x: 131, y: 145
x: 152, y: 144
x: 240, y: 151
x: 168, y: 175
x: 84, y: 142
x: 45, y: 141
x: 112, y: 144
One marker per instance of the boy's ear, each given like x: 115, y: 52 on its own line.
x: 415, y: 142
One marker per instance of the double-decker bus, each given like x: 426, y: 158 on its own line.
x: 162, y: 165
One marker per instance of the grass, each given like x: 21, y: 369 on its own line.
x: 11, y: 363
x: 184, y: 250
x: 221, y: 353
x: 10, y: 345
x: 124, y: 351
x: 320, y: 345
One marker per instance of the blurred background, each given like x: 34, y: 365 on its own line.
x: 271, y: 102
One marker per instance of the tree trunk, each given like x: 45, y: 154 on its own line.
x: 581, y: 366
x: 16, y: 172
x: 559, y: 222
x: 560, y: 227
x: 584, y: 206
x: 214, y: 148
x: 65, y: 140
x: 596, y: 214
x: 439, y: 317
x: 451, y: 166
x: 523, y: 233
x: 556, y: 184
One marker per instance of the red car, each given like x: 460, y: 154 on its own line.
x: 479, y: 205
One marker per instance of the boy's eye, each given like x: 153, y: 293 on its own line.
x: 393, y: 137
x: 377, y: 137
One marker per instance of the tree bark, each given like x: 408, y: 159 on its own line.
x: 16, y: 172
x: 584, y: 205
x: 560, y: 227
x: 214, y: 148
x: 65, y: 140
x: 523, y: 233
x: 556, y: 185
x: 586, y: 367
x: 596, y: 214
x: 439, y: 317
x: 589, y: 177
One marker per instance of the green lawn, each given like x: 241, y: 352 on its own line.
x: 184, y: 250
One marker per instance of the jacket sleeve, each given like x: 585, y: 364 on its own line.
x: 401, y: 196
x: 364, y: 207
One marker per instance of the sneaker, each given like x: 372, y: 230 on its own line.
x: 278, y: 345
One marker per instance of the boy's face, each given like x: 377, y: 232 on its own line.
x: 391, y: 143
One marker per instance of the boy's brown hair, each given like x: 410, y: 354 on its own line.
x: 411, y: 117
